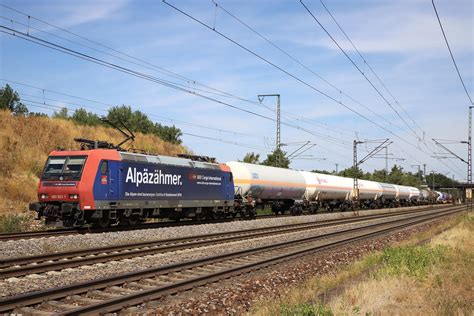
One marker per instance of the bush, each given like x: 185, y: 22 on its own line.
x: 411, y: 260
x: 306, y: 309
x: 12, y: 223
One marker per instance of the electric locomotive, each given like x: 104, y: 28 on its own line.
x: 107, y: 186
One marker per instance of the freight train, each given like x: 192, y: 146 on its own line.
x: 104, y: 186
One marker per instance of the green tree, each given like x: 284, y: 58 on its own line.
x: 277, y: 159
x: 322, y: 171
x: 137, y: 121
x: 170, y: 134
x: 251, y: 158
x: 379, y: 176
x: 61, y: 114
x: 10, y: 100
x: 37, y: 114
x: 396, y: 175
x: 81, y: 116
x: 351, y: 173
x: 440, y: 180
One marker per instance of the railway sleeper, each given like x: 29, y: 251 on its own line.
x: 82, y: 300
x: 140, y: 286
x: 26, y: 311
x: 120, y: 290
x: 102, y: 295
x: 58, y: 306
x: 152, y: 282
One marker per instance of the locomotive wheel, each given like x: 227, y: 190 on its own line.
x: 132, y: 221
x: 102, y: 222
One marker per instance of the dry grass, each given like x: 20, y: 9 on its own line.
x: 26, y: 141
x: 446, y: 289
x: 435, y: 279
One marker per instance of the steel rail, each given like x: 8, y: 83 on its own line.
x: 92, y: 230
x: 33, y: 298
x: 14, y: 267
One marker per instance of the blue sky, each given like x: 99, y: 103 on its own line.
x: 401, y: 40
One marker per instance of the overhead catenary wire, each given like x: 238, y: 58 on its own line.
x: 149, y: 114
x: 288, y: 73
x: 368, y: 65
x: 147, y: 65
x: 108, y: 105
x: 451, y: 53
x: 378, y: 78
x: 357, y: 67
x: 143, y: 78
x: 292, y: 75
x: 266, y: 39
x: 370, y: 82
x: 48, y: 44
x: 52, y: 107
x: 275, y: 66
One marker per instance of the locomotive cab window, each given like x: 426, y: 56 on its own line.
x: 104, y: 167
x: 64, y: 168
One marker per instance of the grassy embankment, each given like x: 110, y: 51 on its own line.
x: 432, y: 279
x: 24, y: 146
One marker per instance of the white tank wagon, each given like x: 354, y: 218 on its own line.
x: 327, y: 191
x: 268, y: 185
x: 415, y: 195
x: 403, y: 195
x: 389, y: 194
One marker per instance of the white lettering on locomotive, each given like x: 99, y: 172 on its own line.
x: 155, y: 177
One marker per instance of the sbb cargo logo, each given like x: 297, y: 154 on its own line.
x: 155, y: 177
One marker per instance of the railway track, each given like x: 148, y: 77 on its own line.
x: 121, y: 291
x: 89, y: 230
x: 15, y: 267
x: 92, y: 230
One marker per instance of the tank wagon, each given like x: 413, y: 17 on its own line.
x: 110, y: 186
x: 282, y: 189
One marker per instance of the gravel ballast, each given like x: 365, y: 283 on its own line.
x: 38, y: 246
x: 15, y: 286
x: 236, y: 296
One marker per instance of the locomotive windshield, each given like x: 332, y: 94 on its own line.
x: 64, y: 168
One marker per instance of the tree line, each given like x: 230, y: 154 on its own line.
x: 136, y: 121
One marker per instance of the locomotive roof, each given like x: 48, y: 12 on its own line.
x: 167, y: 160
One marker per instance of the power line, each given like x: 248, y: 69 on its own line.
x: 51, y: 106
x: 143, y: 63
x: 451, y: 53
x: 357, y: 67
x: 111, y: 105
x: 360, y: 70
x: 266, y: 39
x: 290, y: 74
x: 368, y: 65
x: 276, y: 66
x: 60, y: 48
x: 63, y: 49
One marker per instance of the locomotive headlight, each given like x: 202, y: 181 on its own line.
x: 73, y: 196
x: 44, y: 196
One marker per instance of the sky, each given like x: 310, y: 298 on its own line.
x: 325, y: 100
